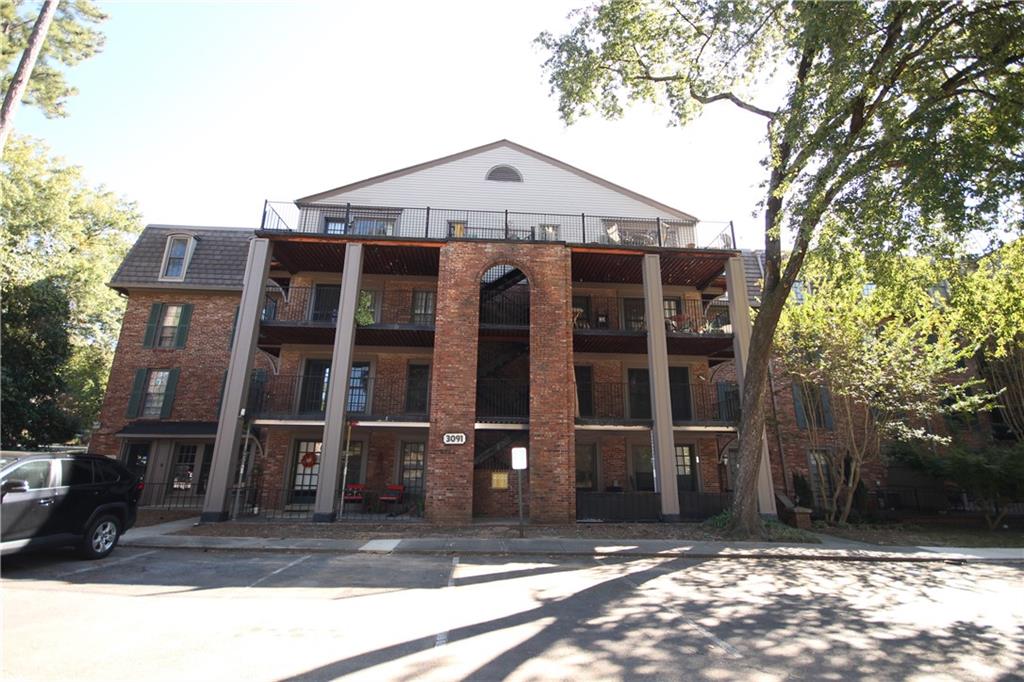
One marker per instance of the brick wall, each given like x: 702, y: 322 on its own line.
x: 202, y: 361
x: 491, y: 502
x: 552, y: 467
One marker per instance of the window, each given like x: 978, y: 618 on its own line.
x: 313, y: 396
x: 412, y: 468
x: 820, y: 471
x: 305, y: 472
x: 156, y: 391
x: 812, y: 406
x: 642, y: 469
x: 354, y: 473
x: 75, y: 472
x: 639, y: 386
x: 679, y: 393
x: 457, y: 228
x: 584, y: 390
x: 423, y: 303
x: 586, y: 466
x: 417, y: 389
x: 136, y: 458
x: 36, y: 473
x: 633, y: 314
x: 686, y: 468
x: 359, y: 388
x: 376, y: 227
x: 548, y: 232
x: 153, y: 393
x: 176, y: 256
x: 504, y: 174
x: 334, y: 225
x: 168, y: 325
x: 183, y: 470
x: 325, y: 303
x: 671, y: 308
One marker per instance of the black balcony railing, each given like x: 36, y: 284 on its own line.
x: 305, y: 397
x: 502, y: 400
x: 624, y: 313
x: 443, y: 224
x: 510, y: 308
x: 692, y: 403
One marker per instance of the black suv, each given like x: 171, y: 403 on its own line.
x: 54, y: 500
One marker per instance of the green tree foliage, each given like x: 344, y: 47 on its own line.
x: 34, y: 351
x: 990, y: 301
x: 887, y: 349
x: 71, y: 39
x: 992, y: 476
x: 59, y: 229
x: 903, y: 118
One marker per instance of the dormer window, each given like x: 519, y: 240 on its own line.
x: 504, y: 174
x: 176, y: 256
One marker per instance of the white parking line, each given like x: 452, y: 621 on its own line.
x: 106, y: 564
x: 283, y: 568
x: 442, y: 637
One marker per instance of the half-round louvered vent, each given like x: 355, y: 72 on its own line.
x: 504, y: 174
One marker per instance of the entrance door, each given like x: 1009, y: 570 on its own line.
x: 639, y: 394
x: 325, y: 303
x: 305, y: 472
x: 586, y: 466
x: 679, y: 390
x: 642, y: 469
x: 686, y: 469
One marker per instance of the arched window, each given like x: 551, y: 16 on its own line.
x: 504, y: 174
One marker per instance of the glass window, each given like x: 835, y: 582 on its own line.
x: 377, y: 227
x: 325, y: 303
x: 305, y: 471
x: 457, y: 228
x: 355, y: 465
x: 423, y: 303
x: 177, y: 252
x: 686, y: 468
x: 184, y: 468
x: 313, y: 396
x: 639, y: 394
x: 156, y: 389
x: 586, y: 466
x: 136, y: 458
x: 36, y: 473
x: 412, y: 467
x: 671, y: 307
x: 417, y: 388
x: 334, y: 225
x: 168, y: 326
x: 643, y: 468
x: 75, y: 472
x: 584, y: 391
x: 359, y: 388
x: 633, y: 314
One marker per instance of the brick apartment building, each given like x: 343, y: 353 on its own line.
x: 486, y: 300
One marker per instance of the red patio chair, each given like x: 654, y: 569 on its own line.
x: 392, y: 495
x: 353, y: 493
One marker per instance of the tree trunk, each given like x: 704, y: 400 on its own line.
x: 16, y: 90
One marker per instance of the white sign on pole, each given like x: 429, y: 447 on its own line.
x: 454, y: 439
x: 518, y: 459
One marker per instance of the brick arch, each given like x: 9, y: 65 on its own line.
x: 450, y: 468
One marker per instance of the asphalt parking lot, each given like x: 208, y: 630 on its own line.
x: 172, y: 614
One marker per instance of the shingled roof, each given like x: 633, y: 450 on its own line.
x: 218, y: 260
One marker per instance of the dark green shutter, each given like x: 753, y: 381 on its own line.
x: 798, y: 406
x: 138, y: 388
x: 234, y: 323
x: 172, y: 384
x: 182, y: 334
x: 155, y: 313
x: 826, y: 407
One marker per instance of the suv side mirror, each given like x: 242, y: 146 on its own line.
x: 14, y: 485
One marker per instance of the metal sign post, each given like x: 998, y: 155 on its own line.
x: 519, y: 463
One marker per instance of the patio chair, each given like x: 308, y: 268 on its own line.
x: 392, y: 495
x: 354, y: 493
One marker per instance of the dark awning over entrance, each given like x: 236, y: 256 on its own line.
x: 162, y: 429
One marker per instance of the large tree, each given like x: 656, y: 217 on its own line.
x: 58, y: 228
x: 903, y: 117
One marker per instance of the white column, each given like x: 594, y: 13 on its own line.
x: 739, y: 316
x: 236, y: 384
x: 661, y: 397
x: 337, y: 387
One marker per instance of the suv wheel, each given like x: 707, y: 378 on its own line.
x: 101, y: 538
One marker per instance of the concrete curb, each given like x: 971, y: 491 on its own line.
x: 576, y: 548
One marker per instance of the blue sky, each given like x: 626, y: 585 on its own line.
x: 200, y: 111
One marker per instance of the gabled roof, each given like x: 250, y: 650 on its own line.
x: 218, y: 260
x: 494, y: 145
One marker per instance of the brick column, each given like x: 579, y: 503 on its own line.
x: 449, y: 496
x: 739, y: 317
x: 661, y: 397
x: 236, y: 384
x: 337, y: 388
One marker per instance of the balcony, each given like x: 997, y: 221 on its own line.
x: 502, y: 401
x: 310, y: 314
x: 304, y: 397
x: 629, y: 403
x: 439, y: 224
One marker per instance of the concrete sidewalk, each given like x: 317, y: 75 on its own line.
x: 832, y: 549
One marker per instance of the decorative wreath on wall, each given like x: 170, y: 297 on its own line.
x: 308, y: 460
